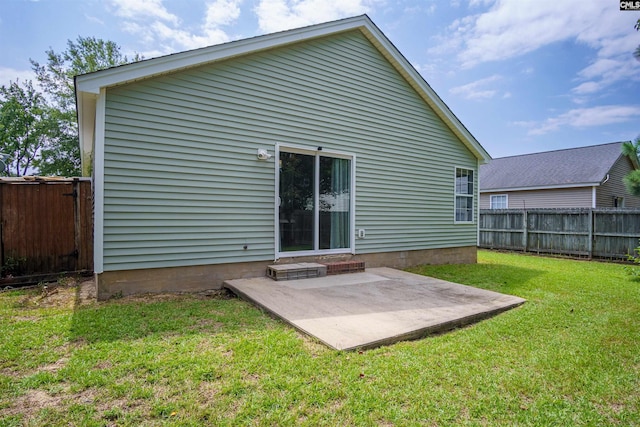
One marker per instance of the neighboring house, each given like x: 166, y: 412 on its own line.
x: 584, y: 177
x: 319, y: 143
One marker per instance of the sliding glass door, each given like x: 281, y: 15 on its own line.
x: 297, y: 202
x: 315, y: 202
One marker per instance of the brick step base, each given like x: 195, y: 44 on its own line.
x: 344, y: 267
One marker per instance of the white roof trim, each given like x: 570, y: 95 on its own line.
x: 540, y: 187
x: 92, y: 83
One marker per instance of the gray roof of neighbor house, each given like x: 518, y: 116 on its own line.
x: 573, y: 167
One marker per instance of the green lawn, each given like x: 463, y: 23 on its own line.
x: 569, y: 356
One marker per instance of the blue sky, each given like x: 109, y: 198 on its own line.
x: 522, y: 75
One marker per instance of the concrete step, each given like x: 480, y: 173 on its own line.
x: 302, y: 270
x: 305, y: 270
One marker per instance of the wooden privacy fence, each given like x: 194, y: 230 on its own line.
x: 592, y: 233
x: 45, y: 227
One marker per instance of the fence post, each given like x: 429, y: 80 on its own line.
x: 77, y: 219
x: 525, y: 229
x: 591, y: 227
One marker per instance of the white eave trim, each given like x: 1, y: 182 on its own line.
x: 542, y: 187
x: 144, y: 69
x: 98, y: 186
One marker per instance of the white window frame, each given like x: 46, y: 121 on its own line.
x: 506, y: 201
x: 456, y: 195
x: 290, y: 148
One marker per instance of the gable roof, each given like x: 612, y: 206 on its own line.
x: 90, y: 86
x: 573, y: 167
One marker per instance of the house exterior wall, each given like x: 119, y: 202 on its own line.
x: 614, y: 187
x: 551, y: 198
x: 183, y: 187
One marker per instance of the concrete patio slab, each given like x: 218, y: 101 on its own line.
x: 378, y: 307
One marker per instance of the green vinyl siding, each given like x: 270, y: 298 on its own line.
x: 183, y: 185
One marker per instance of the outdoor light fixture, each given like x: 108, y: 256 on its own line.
x: 263, y: 154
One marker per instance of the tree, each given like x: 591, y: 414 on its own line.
x: 61, y: 157
x: 631, y: 149
x: 632, y: 179
x: 26, y: 126
x: 85, y: 55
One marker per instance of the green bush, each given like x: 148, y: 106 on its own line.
x: 634, y: 270
x: 13, y: 266
x: 632, y: 182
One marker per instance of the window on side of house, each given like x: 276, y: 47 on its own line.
x: 618, y: 202
x: 499, y: 201
x: 464, y: 195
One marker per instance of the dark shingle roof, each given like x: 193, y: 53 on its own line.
x: 574, y: 166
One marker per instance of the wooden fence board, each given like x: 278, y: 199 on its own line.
x: 46, y: 227
x: 602, y: 233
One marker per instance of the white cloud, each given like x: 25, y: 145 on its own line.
x: 278, y: 15
x: 157, y: 27
x: 587, y: 88
x: 8, y: 75
x: 171, y: 37
x: 584, y: 117
x: 222, y: 12
x: 418, y: 8
x: 143, y: 9
x: 513, y: 28
x: 599, y: 67
x: 507, y: 29
x: 604, y: 72
x: 477, y: 89
x: 94, y: 19
x: 622, y: 45
x: 473, y: 3
x: 425, y: 69
x: 446, y: 44
x: 580, y: 100
x: 144, y: 33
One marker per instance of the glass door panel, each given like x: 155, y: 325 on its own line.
x: 296, y: 212
x: 334, y: 203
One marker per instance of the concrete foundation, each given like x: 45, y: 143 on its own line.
x: 210, y: 277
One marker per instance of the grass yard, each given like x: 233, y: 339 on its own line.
x: 569, y: 356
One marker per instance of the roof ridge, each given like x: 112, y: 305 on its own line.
x: 559, y: 149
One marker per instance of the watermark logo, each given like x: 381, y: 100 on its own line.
x: 629, y: 5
